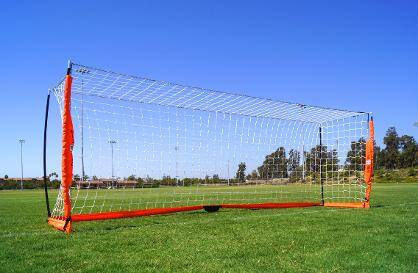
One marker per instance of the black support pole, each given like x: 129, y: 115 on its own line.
x: 320, y: 165
x: 44, y: 156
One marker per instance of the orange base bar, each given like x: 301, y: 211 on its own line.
x: 271, y: 205
x: 129, y: 214
x: 59, y: 224
x: 148, y: 212
x: 365, y: 205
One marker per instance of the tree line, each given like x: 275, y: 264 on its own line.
x: 280, y: 165
x: 398, y: 152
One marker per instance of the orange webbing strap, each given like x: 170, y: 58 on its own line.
x: 67, y: 147
x: 368, y: 169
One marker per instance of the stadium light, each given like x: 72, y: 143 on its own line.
x: 83, y: 71
x: 111, y: 142
x: 21, y: 162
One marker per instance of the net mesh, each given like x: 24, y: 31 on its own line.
x: 142, y: 143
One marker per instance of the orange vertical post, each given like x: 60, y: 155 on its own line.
x: 67, y: 150
x: 368, y: 168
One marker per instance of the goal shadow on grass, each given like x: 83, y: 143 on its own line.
x: 140, y: 222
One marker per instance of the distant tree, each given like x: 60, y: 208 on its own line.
x: 294, y: 160
x: 294, y: 168
x: 76, y: 177
x: 378, y: 157
x: 6, y: 177
x: 132, y: 177
x: 53, y: 175
x: 331, y: 161
x: 149, y: 180
x: 356, y: 155
x: 320, y: 160
x: 314, y: 159
x: 391, y: 151
x: 274, y: 165
x: 241, y: 172
x: 85, y: 177
x: 215, y: 179
x: 409, y: 151
x: 95, y: 177
x: 168, y: 181
x: 253, y: 175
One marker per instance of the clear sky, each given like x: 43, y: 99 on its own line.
x: 357, y: 55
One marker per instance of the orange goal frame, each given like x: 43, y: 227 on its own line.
x: 64, y: 223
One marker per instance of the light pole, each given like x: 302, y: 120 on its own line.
x: 21, y: 162
x: 82, y: 71
x: 177, y: 176
x: 228, y: 172
x: 111, y: 146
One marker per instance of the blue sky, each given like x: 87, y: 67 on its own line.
x: 358, y: 55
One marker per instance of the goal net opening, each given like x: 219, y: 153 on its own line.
x: 133, y: 146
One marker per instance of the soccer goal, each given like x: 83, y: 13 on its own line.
x: 134, y: 146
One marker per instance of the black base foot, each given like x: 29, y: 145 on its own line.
x: 211, y: 208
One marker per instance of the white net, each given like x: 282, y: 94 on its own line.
x: 141, y: 143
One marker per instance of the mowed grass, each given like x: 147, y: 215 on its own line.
x: 381, y: 239
x: 104, y: 200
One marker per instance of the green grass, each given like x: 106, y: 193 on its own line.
x: 102, y: 200
x: 381, y: 239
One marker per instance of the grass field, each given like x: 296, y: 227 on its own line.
x: 103, y: 200
x: 381, y: 239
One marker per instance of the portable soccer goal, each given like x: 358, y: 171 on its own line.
x: 134, y: 146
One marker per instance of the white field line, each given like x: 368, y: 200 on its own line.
x: 207, y: 220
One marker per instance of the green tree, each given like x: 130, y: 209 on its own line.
x: 253, y: 175
x: 132, y: 177
x: 215, y: 179
x: 356, y: 155
x: 241, y: 172
x: 274, y: 165
x: 294, y: 160
x: 320, y: 160
x: 168, y: 181
x: 140, y: 182
x: 53, y: 175
x: 378, y: 157
x: 409, y: 151
x: 331, y: 162
x: 391, y: 151
x: 313, y: 160
x: 295, y: 169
